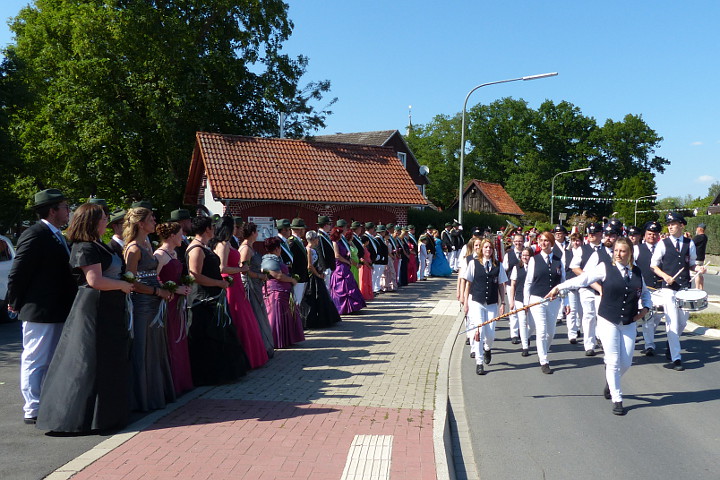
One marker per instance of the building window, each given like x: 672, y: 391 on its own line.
x: 422, y: 190
x: 403, y: 159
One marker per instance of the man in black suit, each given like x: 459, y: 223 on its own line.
x: 374, y: 248
x: 326, y: 253
x: 237, y: 236
x: 116, y: 223
x: 357, y: 229
x: 182, y: 217
x: 41, y: 289
x: 300, y: 262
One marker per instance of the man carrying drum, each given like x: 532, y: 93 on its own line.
x: 643, y: 253
x: 673, y: 260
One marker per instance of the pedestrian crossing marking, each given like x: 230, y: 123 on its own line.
x: 369, y: 458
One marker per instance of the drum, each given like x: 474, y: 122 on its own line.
x: 691, y: 299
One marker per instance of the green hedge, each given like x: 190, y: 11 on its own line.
x: 422, y: 218
x: 712, y: 230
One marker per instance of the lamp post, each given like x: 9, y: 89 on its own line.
x: 552, y: 189
x: 462, y: 129
x: 636, y: 202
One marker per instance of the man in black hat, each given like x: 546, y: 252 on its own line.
x: 237, y: 236
x: 447, y: 243
x: 700, y: 241
x: 458, y: 242
x: 300, y: 261
x: 116, y: 222
x: 588, y: 295
x: 374, y: 249
x: 642, y: 255
x: 357, y: 229
x: 428, y: 239
x: 673, y: 260
x: 283, y: 229
x: 325, y: 251
x: 41, y: 289
x: 635, y: 235
x: 561, y: 250
x: 182, y: 216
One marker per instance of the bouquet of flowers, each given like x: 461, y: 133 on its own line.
x: 128, y: 277
x: 187, y: 280
x: 170, y: 286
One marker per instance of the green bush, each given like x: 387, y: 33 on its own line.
x: 712, y: 230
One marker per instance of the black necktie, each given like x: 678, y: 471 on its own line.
x: 677, y: 244
x: 487, y: 267
x: 597, y: 249
x: 627, y: 275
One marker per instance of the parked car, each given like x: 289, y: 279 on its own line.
x: 7, y: 255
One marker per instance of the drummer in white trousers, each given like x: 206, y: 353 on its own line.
x: 545, y: 271
x: 623, y: 288
x: 673, y: 260
x: 642, y: 254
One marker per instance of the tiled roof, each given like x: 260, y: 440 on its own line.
x: 251, y: 168
x: 360, y: 138
x: 496, y: 194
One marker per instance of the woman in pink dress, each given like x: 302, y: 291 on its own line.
x: 170, y: 270
x: 283, y: 314
x: 241, y: 311
x: 343, y: 288
x: 366, y: 271
x: 412, y: 262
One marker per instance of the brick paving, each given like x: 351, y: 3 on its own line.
x: 299, y: 416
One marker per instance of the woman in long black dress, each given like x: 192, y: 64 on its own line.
x: 317, y: 306
x: 88, y: 382
x: 215, y: 353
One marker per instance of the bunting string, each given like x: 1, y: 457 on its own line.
x: 606, y: 200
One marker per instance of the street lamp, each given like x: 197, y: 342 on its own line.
x: 552, y: 189
x: 636, y: 202
x: 462, y: 129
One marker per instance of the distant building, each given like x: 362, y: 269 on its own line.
x: 480, y: 196
x: 284, y: 178
x: 385, y: 138
x: 714, y: 207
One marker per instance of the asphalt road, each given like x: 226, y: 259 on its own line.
x: 712, y: 284
x: 528, y: 425
x: 26, y: 452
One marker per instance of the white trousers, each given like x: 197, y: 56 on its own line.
x: 618, y: 344
x: 422, y: 258
x: 377, y: 274
x: 675, y: 322
x: 573, y: 318
x: 477, y: 314
x: 545, y: 316
x: 526, y: 325
x: 428, y: 263
x: 589, y: 317
x: 299, y: 291
x: 39, y: 343
x: 514, y: 322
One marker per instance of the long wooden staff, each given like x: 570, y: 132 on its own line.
x: 545, y: 300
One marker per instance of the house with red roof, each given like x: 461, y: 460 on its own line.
x: 287, y: 178
x: 480, y: 196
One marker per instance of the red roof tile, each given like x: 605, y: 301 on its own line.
x: 252, y: 168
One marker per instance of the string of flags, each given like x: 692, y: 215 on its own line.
x: 606, y: 200
x: 666, y: 210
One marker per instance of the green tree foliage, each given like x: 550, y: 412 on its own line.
x: 522, y: 148
x: 118, y: 88
x: 640, y: 185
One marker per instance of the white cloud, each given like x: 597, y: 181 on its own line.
x: 696, y: 144
x: 705, y: 179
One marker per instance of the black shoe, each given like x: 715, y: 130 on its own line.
x: 677, y: 366
x: 467, y: 341
x: 525, y: 352
x: 472, y: 354
x: 480, y: 370
x: 573, y: 341
x: 30, y: 420
x: 590, y: 353
x: 649, y: 352
x: 618, y: 408
x: 515, y: 340
x: 545, y: 368
x: 606, y: 391
x: 487, y: 357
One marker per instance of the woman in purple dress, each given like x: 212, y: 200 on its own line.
x: 170, y: 270
x: 343, y: 288
x: 282, y: 311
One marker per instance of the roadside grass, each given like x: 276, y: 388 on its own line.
x: 710, y: 320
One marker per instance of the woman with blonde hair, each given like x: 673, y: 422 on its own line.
x: 152, y: 381
x: 484, y: 299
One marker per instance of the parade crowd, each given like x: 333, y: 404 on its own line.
x: 602, y: 283
x: 129, y: 325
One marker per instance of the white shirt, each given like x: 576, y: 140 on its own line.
x: 598, y: 274
x: 470, y: 272
x: 506, y: 260
x: 531, y: 269
x: 660, y: 252
x: 577, y: 257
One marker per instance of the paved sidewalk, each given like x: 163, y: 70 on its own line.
x: 352, y: 402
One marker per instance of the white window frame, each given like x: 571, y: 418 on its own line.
x: 403, y: 158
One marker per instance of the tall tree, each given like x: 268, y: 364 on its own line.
x: 119, y: 88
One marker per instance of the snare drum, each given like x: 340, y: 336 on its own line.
x: 691, y: 299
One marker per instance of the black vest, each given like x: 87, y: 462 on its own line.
x: 643, y: 261
x: 520, y: 283
x: 544, y: 276
x: 372, y: 247
x: 568, y: 271
x: 587, y: 251
x: 619, y: 302
x: 673, y: 261
x: 382, y: 250
x: 512, y: 259
x: 484, y: 287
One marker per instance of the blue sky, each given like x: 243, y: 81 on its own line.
x: 655, y: 59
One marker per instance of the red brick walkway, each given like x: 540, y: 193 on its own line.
x: 236, y: 439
